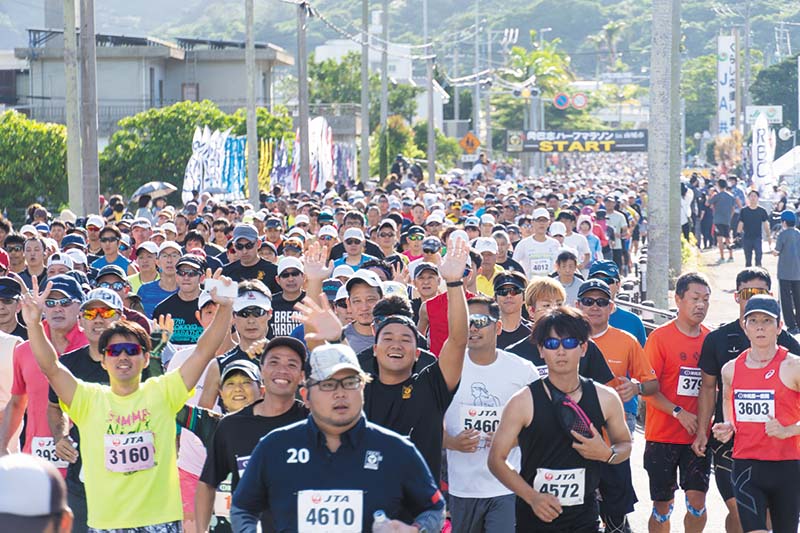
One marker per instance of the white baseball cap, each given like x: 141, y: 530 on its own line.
x: 353, y: 233
x: 327, y: 230
x: 169, y: 226
x: 252, y: 299
x: 540, y: 212
x: 148, y: 246
x: 343, y: 270
x: 558, y: 228
x: 61, y: 259
x: 485, y: 244
x: 286, y: 263
x: 77, y: 256
x: 488, y: 219
x: 169, y: 245
x: 96, y: 221
x: 328, y: 359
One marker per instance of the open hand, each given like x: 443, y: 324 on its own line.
x: 455, y: 260
x: 320, y: 321
x: 32, y: 301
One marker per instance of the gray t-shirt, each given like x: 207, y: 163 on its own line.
x: 788, y: 244
x: 723, y: 203
x: 356, y: 340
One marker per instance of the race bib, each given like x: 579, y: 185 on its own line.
x: 131, y: 452
x: 484, y: 419
x: 241, y: 464
x: 543, y: 371
x: 540, y: 265
x: 222, y: 499
x: 566, y: 485
x: 689, y: 381
x: 45, y: 447
x: 329, y: 511
x: 753, y: 405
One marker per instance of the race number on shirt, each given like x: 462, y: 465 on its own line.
x: 329, y: 511
x: 689, y: 381
x: 567, y: 485
x: 483, y: 419
x: 753, y: 405
x: 45, y: 447
x: 222, y: 498
x: 130, y: 452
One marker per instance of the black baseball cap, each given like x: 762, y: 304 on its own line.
x: 515, y: 279
x: 10, y: 288
x: 293, y: 344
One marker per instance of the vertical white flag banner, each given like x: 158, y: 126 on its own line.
x: 763, y: 149
x: 726, y: 84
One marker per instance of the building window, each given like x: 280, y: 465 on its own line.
x: 190, y: 91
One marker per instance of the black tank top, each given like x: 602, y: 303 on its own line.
x: 545, y: 445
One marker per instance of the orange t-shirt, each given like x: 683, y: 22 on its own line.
x: 624, y: 356
x: 674, y: 358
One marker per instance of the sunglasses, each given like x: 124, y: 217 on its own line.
x: 508, y: 291
x: 104, y: 312
x: 130, y: 348
x: 481, y: 321
x: 588, y: 302
x: 116, y: 286
x: 290, y: 274
x: 108, y: 239
x: 415, y: 237
x: 342, y: 304
x: 326, y: 238
x: 352, y: 241
x: 608, y: 281
x: 247, y: 312
x: 92, y: 228
x: 330, y: 385
x: 188, y: 273
x: 248, y: 246
x: 384, y: 235
x: 747, y: 293
x: 63, y: 302
x: 14, y: 248
x: 291, y: 248
x: 431, y: 250
x: 552, y: 343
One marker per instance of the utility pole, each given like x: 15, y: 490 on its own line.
x: 489, y: 94
x: 252, y: 125
x: 476, y: 91
x: 302, y: 80
x: 383, y: 159
x: 429, y: 68
x: 746, y: 91
x: 364, y: 171
x: 88, y: 61
x: 456, y: 89
x: 74, y: 175
x: 662, y: 144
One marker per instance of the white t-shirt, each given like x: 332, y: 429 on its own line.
x: 577, y: 242
x: 7, y: 344
x: 192, y: 453
x: 537, y: 258
x: 481, y: 396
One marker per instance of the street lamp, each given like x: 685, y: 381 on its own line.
x: 785, y: 133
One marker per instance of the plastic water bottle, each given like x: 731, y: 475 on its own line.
x: 380, y: 522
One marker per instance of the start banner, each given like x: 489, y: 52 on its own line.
x: 576, y: 141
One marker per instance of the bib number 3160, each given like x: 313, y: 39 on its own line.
x: 329, y: 511
x: 130, y: 452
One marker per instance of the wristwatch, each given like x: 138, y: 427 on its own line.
x: 613, y: 455
x: 677, y: 411
x: 638, y: 385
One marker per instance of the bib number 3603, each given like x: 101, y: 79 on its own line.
x: 130, y: 452
x: 329, y: 511
x: 753, y: 405
x: 567, y: 485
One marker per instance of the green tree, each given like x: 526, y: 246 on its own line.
x: 777, y: 85
x: 156, y: 144
x: 698, y: 89
x: 399, y: 139
x: 33, y: 161
x: 447, y: 149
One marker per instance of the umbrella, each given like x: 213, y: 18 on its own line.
x: 155, y: 189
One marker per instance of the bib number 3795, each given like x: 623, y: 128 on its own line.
x: 567, y: 485
x: 689, y: 379
x: 329, y: 511
x: 130, y: 452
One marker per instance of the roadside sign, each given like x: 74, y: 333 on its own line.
x: 469, y: 158
x: 579, y: 101
x: 561, y: 101
x: 773, y: 113
x: 469, y: 143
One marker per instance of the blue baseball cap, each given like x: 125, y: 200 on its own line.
x: 594, y: 285
x: 763, y: 303
x: 604, y: 268
x: 73, y: 239
x: 789, y: 216
x: 68, y: 286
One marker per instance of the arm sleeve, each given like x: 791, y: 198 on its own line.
x: 199, y: 421
x: 419, y: 489
x: 243, y: 521
x: 251, y: 495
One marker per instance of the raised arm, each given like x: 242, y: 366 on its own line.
x: 316, y: 270
x: 61, y: 379
x: 451, y: 357
x: 212, y: 337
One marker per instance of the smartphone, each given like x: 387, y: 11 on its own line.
x: 224, y: 291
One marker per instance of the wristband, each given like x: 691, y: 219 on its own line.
x: 458, y: 283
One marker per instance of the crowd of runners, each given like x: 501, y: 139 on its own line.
x: 409, y: 357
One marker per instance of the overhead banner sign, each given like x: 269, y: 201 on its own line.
x: 773, y: 113
x: 577, y: 141
x: 726, y: 84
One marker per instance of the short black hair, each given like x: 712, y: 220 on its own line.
x: 564, y: 321
x: 722, y: 183
x: 686, y: 279
x: 194, y: 235
x: 476, y: 258
x: 392, y: 305
x: 566, y: 255
x: 494, y: 309
x: 751, y: 273
x: 566, y: 214
x: 14, y: 238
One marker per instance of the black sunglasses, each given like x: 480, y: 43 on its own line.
x: 247, y: 246
x: 290, y: 274
x: 247, y: 312
x: 588, y: 302
x: 508, y: 291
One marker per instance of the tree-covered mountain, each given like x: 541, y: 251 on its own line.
x: 599, y: 35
